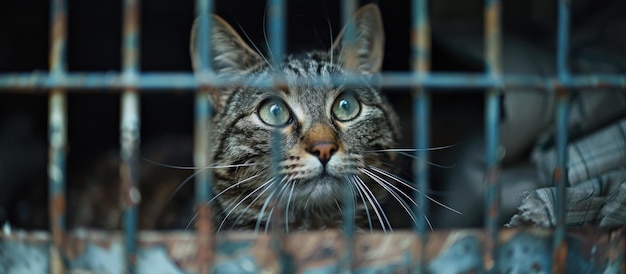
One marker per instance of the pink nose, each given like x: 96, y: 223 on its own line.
x: 323, y: 151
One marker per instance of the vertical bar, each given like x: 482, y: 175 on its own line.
x: 202, y: 135
x: 492, y: 123
x: 562, y: 115
x: 420, y: 45
x: 57, y: 133
x: 130, y: 131
x: 277, y: 44
x: 348, y: 209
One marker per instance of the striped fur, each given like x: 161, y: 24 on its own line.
x: 308, y: 191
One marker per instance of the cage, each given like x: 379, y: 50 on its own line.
x: 465, y: 76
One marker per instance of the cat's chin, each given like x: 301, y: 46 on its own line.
x: 324, y: 189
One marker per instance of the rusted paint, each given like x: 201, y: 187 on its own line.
x: 130, y: 59
x: 420, y: 39
x: 591, y: 249
x: 205, y: 240
x: 493, y: 37
x: 559, y: 259
x: 58, y: 37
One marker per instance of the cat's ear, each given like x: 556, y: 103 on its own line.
x: 230, y: 54
x: 366, y: 55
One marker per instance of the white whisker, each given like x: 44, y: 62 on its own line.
x: 221, y: 192
x: 407, y: 184
x: 293, y: 185
x: 393, y: 193
x: 367, y: 211
x: 263, y: 186
x: 412, y: 149
x: 196, y: 168
x: 369, y: 195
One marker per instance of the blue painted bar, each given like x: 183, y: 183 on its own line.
x: 57, y: 134
x: 348, y: 8
x: 130, y: 131
x: 420, y: 46
x: 493, y: 59
x: 561, y: 118
x: 167, y: 81
x: 276, y: 23
x: 202, y: 139
x: 204, y: 10
x: 203, y: 108
x: 276, y: 33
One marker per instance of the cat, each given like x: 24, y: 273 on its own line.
x: 330, y: 135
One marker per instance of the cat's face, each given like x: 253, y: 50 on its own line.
x: 327, y: 132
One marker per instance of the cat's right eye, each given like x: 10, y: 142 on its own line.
x: 274, y: 112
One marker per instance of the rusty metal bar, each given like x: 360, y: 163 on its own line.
x: 130, y: 132
x: 561, y: 118
x: 420, y: 45
x: 348, y: 8
x: 492, y: 122
x: 202, y: 137
x: 167, y: 81
x: 57, y: 134
x: 276, y: 10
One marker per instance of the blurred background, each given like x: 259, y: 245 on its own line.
x: 94, y: 43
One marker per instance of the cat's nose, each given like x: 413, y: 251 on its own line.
x: 323, y: 151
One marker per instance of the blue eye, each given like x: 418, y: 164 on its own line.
x: 346, y: 107
x: 274, y: 112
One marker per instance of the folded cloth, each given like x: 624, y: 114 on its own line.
x: 596, y: 177
x: 599, y: 201
x: 596, y: 154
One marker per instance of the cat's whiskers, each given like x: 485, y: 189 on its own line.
x: 265, y: 204
x: 293, y: 185
x: 408, y: 185
x: 200, y: 170
x: 367, y: 211
x: 263, y: 186
x: 404, y: 153
x: 372, y: 200
x: 391, y: 189
x: 220, y: 193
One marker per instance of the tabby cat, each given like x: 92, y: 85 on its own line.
x: 331, y: 135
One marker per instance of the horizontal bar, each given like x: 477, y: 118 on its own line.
x: 181, y: 80
x: 176, y: 251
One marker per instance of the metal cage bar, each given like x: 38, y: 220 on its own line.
x: 202, y: 134
x: 168, y: 81
x: 276, y: 10
x: 57, y: 132
x: 420, y: 45
x: 492, y: 122
x: 130, y: 132
x: 348, y: 8
x: 559, y: 244
x: 131, y: 80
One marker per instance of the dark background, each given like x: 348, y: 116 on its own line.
x: 94, y: 43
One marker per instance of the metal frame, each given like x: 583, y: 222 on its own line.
x: 130, y: 81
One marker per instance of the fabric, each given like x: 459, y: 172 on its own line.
x: 599, y: 201
x: 596, y: 192
x: 600, y: 152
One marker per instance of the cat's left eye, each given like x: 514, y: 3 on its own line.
x: 274, y: 112
x: 346, y: 107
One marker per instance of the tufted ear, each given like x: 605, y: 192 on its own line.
x: 366, y: 56
x: 231, y: 56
